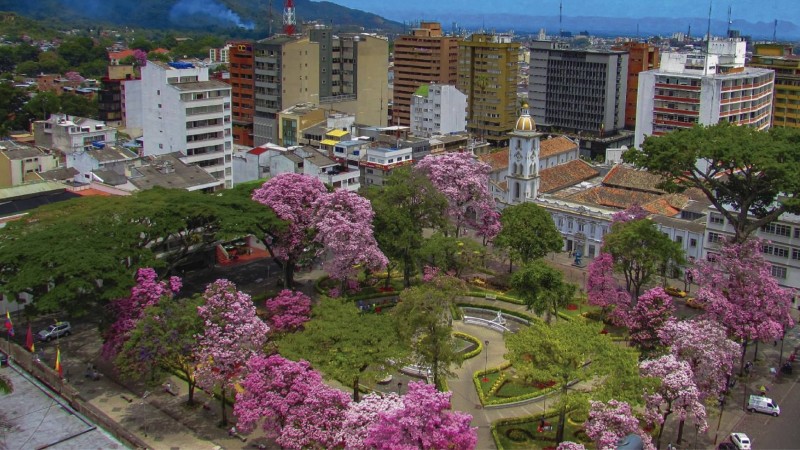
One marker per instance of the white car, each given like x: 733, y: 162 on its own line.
x: 741, y: 441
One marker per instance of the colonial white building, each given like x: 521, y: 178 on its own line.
x: 180, y: 110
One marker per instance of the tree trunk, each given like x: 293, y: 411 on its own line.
x: 355, y: 389
x: 388, y: 276
x: 744, y: 352
x: 191, y: 384
x: 510, y: 264
x: 288, y: 275
x: 755, y: 352
x: 562, y: 415
x: 661, y: 427
x: 680, y: 431
x: 224, y: 413
x: 407, y: 265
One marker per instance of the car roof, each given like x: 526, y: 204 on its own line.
x: 740, y: 436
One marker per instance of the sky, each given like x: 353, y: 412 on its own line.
x: 444, y: 10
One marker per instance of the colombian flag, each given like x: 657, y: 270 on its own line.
x: 59, y: 369
x: 9, y: 324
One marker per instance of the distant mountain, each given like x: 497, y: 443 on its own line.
x: 627, y: 26
x: 194, y: 14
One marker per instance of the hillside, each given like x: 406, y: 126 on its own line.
x: 196, y: 14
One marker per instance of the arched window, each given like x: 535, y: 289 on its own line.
x: 516, y: 190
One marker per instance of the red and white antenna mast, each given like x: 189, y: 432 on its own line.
x: 289, y: 22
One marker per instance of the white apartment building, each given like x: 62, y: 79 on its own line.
x: 438, y: 110
x: 70, y: 134
x: 180, y: 110
x: 692, y: 88
x: 380, y: 161
x: 781, y: 244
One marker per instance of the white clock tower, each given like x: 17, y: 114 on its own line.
x: 523, y: 160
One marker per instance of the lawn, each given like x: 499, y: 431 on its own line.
x: 513, y: 386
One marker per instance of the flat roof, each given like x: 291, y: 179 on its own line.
x: 201, y: 85
x: 181, y: 176
x: 337, y: 133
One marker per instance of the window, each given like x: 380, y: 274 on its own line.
x: 560, y: 222
x: 778, y: 272
x: 780, y: 230
x: 581, y: 226
x: 569, y: 224
x: 717, y: 219
x: 679, y: 239
x: 781, y: 252
x: 797, y: 233
x: 796, y: 253
x: 714, y: 238
x: 692, y: 242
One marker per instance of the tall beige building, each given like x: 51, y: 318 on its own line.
x: 346, y: 72
x: 488, y: 70
x: 425, y: 56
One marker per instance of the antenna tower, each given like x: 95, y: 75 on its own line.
x: 560, y: 11
x: 289, y: 23
x: 775, y: 31
x: 729, y: 22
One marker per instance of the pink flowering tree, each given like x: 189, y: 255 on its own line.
x: 677, y: 393
x: 74, y: 76
x: 603, y: 290
x: 423, y: 422
x: 291, y: 196
x: 292, y: 404
x: 704, y: 345
x: 363, y: 415
x: 567, y: 445
x: 140, y: 57
x: 646, y: 318
x: 232, y: 334
x: 288, y: 311
x: 739, y: 291
x: 464, y: 181
x: 343, y: 222
x: 634, y: 212
x: 610, y: 422
x: 127, y: 311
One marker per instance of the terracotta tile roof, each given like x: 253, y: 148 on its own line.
x: 661, y: 206
x: 627, y: 177
x: 565, y: 175
x: 502, y: 185
x: 613, y: 197
x: 498, y: 160
x: 554, y: 146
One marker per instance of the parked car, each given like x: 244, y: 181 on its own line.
x: 763, y: 404
x: 741, y: 441
x: 57, y: 330
x: 726, y: 446
x: 692, y: 302
x: 675, y: 292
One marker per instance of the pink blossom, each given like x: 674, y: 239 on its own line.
x: 288, y: 311
x: 634, y: 212
x: 567, y: 445
x: 429, y: 273
x: 609, y: 422
x: 360, y: 416
x: 648, y: 316
x: 603, y: 290
x: 677, y: 392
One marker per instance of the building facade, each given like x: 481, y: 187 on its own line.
x: 70, y: 134
x: 488, y: 66
x: 577, y: 90
x: 241, y: 60
x: 786, y: 110
x: 686, y: 90
x: 20, y: 163
x: 422, y: 57
x: 181, y: 110
x: 641, y: 57
x: 438, y: 110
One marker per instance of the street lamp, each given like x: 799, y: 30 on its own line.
x: 485, y: 360
x: 399, y: 386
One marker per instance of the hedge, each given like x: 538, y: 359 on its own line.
x: 477, y: 382
x: 473, y: 339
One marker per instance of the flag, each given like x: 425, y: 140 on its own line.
x: 29, y: 340
x: 59, y: 369
x: 9, y: 324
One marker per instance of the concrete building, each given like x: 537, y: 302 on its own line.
x: 170, y: 171
x: 577, y: 90
x: 109, y: 101
x: 381, y: 160
x: 180, y: 110
x: 241, y: 60
x: 488, y: 66
x: 438, y: 110
x: 21, y: 163
x: 778, y: 57
x: 107, y: 164
x: 69, y: 134
x: 641, y: 57
x: 422, y: 57
x: 691, y: 89
x: 295, y: 120
x: 345, y: 72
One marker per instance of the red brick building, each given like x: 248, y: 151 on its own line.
x: 241, y: 63
x: 642, y: 56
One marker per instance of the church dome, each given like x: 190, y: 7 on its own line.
x: 525, y: 122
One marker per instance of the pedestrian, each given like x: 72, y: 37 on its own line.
x: 232, y: 431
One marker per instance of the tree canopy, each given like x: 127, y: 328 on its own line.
x: 542, y: 288
x: 751, y: 177
x: 528, y: 232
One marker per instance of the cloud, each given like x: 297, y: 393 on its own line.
x: 206, y: 11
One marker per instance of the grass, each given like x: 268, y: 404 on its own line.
x: 513, y: 387
x: 541, y: 440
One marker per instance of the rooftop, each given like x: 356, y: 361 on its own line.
x: 565, y: 175
x: 612, y: 197
x: 15, y: 150
x: 169, y: 171
x: 623, y: 176
x: 201, y: 85
x: 555, y: 146
x: 497, y: 160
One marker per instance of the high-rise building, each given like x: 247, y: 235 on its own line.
x: 488, y: 66
x: 180, y: 110
x: 438, y: 110
x: 241, y: 60
x: 699, y: 88
x: 577, y: 90
x: 641, y: 56
x: 422, y: 57
x: 343, y: 72
x: 786, y: 110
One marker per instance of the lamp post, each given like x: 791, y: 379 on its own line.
x: 399, y: 386
x: 485, y: 360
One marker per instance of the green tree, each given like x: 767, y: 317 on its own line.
x: 42, y: 105
x: 542, y: 288
x: 407, y: 204
x: 641, y: 251
x: 528, y: 233
x: 452, y: 254
x: 26, y: 52
x: 29, y: 68
x: 751, y: 177
x: 51, y: 62
x: 78, y: 105
x: 7, y: 58
x: 572, y: 351
x: 163, y: 343
x: 12, y: 101
x: 424, y: 321
x: 345, y: 344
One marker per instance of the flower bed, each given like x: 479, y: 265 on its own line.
x: 477, y: 342
x: 525, y: 432
x: 502, y: 386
